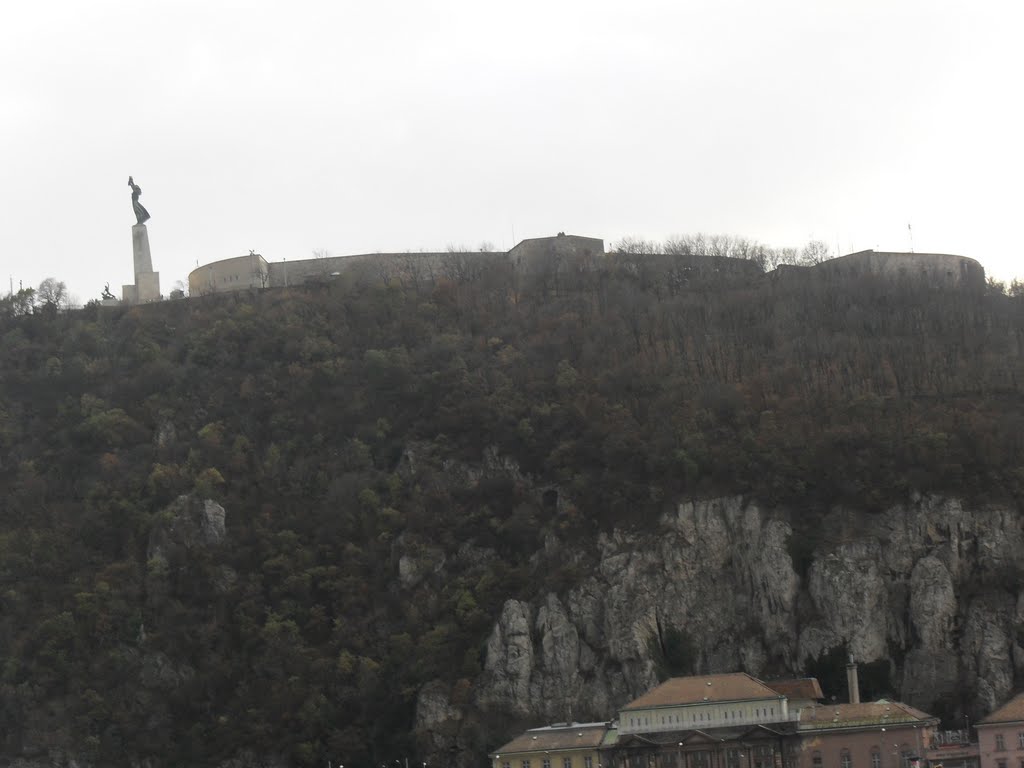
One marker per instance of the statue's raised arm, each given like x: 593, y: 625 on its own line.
x: 141, y: 214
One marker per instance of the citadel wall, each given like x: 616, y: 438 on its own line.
x: 384, y: 266
x: 562, y: 253
x: 936, y: 269
x: 236, y: 274
x: 550, y: 258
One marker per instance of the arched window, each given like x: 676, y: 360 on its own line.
x: 845, y: 761
x: 876, y: 758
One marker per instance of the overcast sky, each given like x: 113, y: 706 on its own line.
x: 394, y: 126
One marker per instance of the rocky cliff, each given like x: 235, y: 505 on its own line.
x: 930, y: 589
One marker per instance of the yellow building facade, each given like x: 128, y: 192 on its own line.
x: 563, y: 745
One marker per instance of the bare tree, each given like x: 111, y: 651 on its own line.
x: 815, y: 252
x: 323, y: 266
x: 53, y: 293
x: 636, y: 245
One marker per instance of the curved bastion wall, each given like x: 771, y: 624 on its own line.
x: 932, y: 268
x: 548, y: 257
x: 251, y: 271
x: 559, y: 253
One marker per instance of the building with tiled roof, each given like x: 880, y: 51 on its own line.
x: 737, y: 721
x: 704, y: 701
x: 804, y: 691
x: 728, y: 720
x: 871, y: 713
x: 734, y: 686
x: 873, y: 734
x: 563, y: 745
x: 1001, y: 736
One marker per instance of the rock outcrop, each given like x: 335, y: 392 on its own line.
x: 929, y: 588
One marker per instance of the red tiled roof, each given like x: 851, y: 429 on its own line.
x: 866, y: 713
x: 802, y: 688
x: 735, y: 686
x: 1011, y: 712
x: 575, y: 736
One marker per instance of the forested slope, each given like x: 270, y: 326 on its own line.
x: 615, y: 393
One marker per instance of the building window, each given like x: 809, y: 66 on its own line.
x: 1000, y: 763
x: 876, y: 759
x: 1000, y: 742
x: 506, y: 764
x: 546, y: 763
x: 905, y: 759
x: 815, y: 760
x: 844, y: 759
x: 588, y: 762
x: 700, y: 759
x: 566, y: 762
x: 526, y: 764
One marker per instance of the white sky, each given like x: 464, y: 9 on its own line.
x: 394, y: 125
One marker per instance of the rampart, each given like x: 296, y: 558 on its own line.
x: 235, y: 274
x: 562, y: 253
x: 936, y: 269
x: 552, y: 258
x: 683, y: 268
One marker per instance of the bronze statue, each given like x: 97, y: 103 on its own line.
x: 141, y: 214
x: 106, y: 292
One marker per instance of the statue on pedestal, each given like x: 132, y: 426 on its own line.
x: 141, y: 214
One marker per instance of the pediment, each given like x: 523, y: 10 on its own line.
x: 636, y: 740
x: 698, y: 737
x: 761, y: 732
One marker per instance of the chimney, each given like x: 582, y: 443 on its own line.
x: 852, y: 684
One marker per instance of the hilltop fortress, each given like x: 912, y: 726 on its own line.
x: 567, y: 254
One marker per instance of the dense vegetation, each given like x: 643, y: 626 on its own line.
x: 625, y: 386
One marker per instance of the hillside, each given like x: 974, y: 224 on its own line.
x: 416, y: 477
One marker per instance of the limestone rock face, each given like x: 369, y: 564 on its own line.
x: 436, y: 716
x: 509, y: 663
x: 188, y: 522
x: 931, y: 587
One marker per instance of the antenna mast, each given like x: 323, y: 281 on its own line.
x: 910, y: 234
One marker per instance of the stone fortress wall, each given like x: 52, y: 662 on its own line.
x: 933, y: 268
x: 243, y: 272
x: 568, y: 254
x: 235, y: 274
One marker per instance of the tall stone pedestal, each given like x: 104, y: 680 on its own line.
x: 147, y: 282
